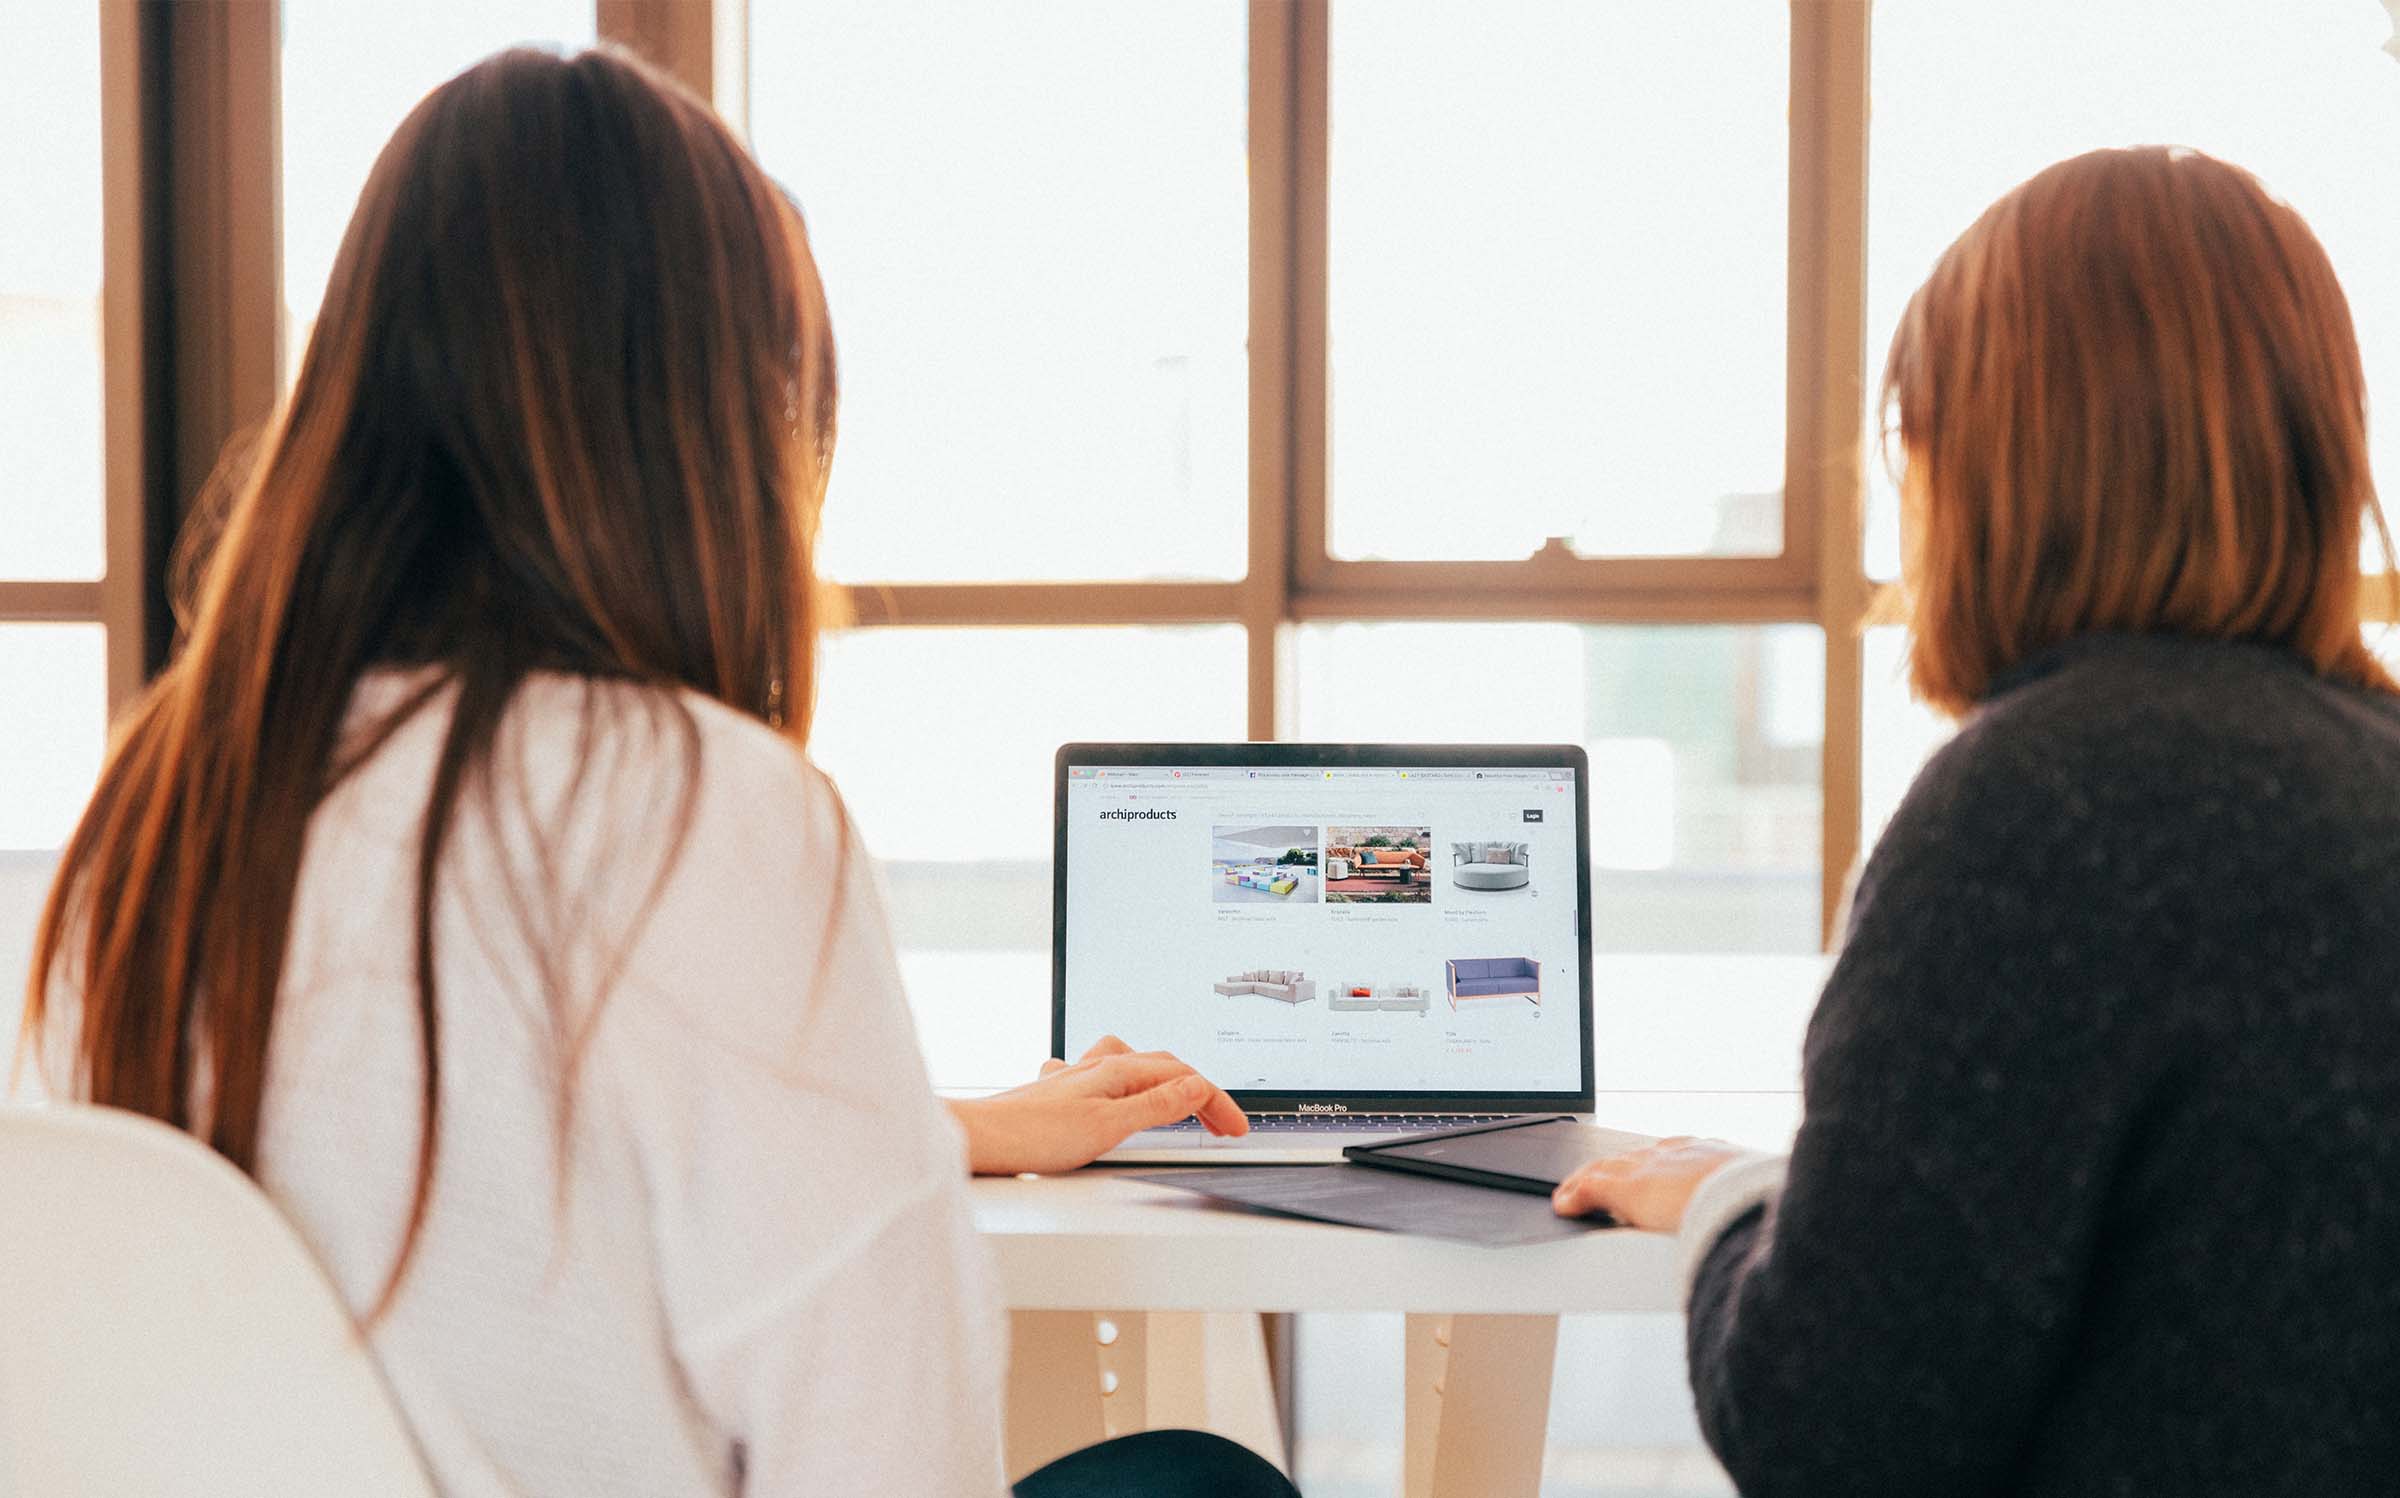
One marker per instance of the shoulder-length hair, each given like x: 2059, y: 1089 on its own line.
x: 2129, y: 399
x: 568, y: 407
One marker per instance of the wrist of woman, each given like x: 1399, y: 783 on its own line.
x: 1722, y: 1198
x: 975, y: 1132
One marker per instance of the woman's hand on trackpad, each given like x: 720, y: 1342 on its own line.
x: 1077, y: 1111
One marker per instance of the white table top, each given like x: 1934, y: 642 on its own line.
x: 1696, y: 1045
x: 1097, y: 1240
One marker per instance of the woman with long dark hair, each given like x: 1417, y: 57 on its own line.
x: 463, y: 879
x: 2097, y: 1190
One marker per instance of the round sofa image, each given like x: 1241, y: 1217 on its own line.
x: 1491, y: 865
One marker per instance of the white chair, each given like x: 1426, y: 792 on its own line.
x: 163, y: 1331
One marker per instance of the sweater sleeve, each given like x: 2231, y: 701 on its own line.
x: 1892, y: 1319
x: 828, y: 1302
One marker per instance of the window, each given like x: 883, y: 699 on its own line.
x: 941, y: 742
x: 1704, y: 745
x: 2302, y: 92
x: 1157, y: 372
x: 349, y: 76
x: 50, y: 442
x: 1242, y: 356
x: 1556, y: 278
x: 1301, y: 328
x: 56, y: 680
x: 1033, y: 223
x: 2305, y: 93
x: 53, y: 552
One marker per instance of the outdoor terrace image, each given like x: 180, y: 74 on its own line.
x: 1377, y: 866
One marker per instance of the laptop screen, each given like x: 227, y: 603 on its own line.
x: 1295, y: 929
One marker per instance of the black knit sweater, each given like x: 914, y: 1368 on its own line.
x: 2098, y: 1185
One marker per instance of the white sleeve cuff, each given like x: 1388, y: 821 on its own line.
x: 1727, y: 1192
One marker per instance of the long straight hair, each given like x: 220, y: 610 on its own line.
x: 568, y: 407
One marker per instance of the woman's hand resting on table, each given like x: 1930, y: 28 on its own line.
x: 1644, y: 1188
x: 1076, y: 1112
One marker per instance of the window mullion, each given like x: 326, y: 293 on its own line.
x: 1287, y: 333
x: 1826, y: 377
x: 679, y: 36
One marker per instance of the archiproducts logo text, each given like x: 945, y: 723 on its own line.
x: 1148, y: 814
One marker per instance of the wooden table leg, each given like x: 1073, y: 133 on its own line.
x: 1279, y: 1333
x: 1478, y: 1405
x: 1053, y: 1389
x: 1237, y: 1387
x: 1079, y: 1377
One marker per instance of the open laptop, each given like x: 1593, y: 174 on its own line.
x: 1357, y: 941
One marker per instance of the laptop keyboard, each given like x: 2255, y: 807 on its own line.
x: 1352, y: 1123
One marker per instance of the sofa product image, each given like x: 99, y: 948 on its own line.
x: 1275, y: 879
x: 1354, y: 998
x: 1397, y: 864
x: 1275, y: 983
x: 1472, y: 980
x: 1491, y: 865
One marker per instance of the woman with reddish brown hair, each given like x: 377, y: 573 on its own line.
x: 2097, y: 1188
x: 463, y: 879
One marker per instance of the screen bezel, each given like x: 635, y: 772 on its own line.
x: 1348, y: 756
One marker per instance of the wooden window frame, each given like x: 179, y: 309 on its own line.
x: 191, y: 307
x: 189, y: 315
x: 1292, y: 575
x: 115, y: 600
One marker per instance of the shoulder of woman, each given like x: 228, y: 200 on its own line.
x: 671, y: 766
x: 700, y: 856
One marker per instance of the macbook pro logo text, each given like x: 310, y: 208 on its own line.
x: 1324, y: 1107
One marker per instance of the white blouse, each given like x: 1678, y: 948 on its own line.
x: 743, y: 1261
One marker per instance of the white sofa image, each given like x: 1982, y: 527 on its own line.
x: 1348, y: 998
x: 1491, y: 865
x: 1275, y: 983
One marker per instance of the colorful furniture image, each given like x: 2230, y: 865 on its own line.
x: 1275, y: 881
x: 1262, y: 865
x: 1491, y: 865
x: 1355, y: 998
x: 1473, y: 980
x: 1274, y: 983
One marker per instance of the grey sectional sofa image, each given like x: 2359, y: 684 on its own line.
x: 1473, y: 980
x: 1491, y: 865
x: 1345, y: 998
x: 1274, y: 983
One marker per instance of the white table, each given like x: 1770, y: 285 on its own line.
x: 1134, y: 1305
x: 1102, y: 1273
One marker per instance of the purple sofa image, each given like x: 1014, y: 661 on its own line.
x: 1472, y: 979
